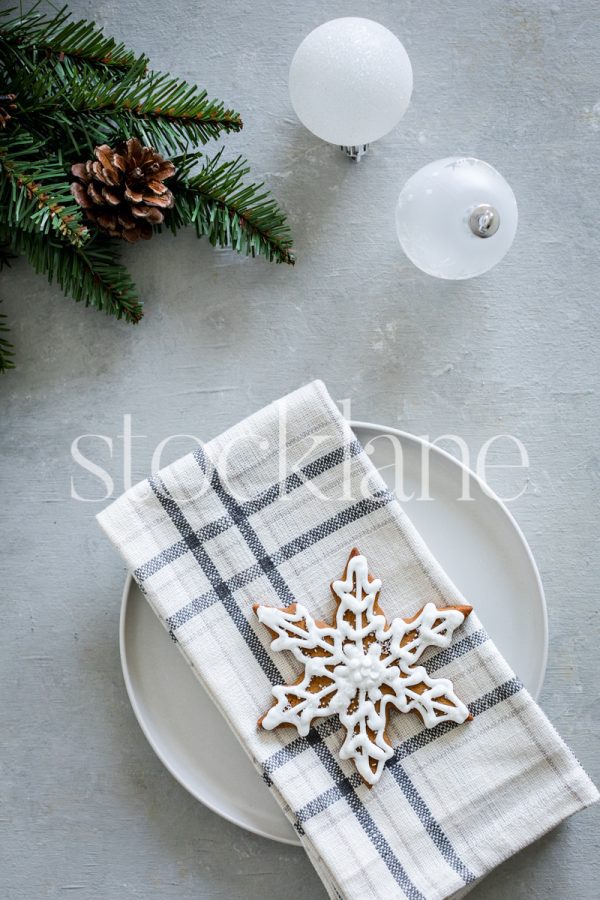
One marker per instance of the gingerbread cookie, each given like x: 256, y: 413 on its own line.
x: 361, y: 667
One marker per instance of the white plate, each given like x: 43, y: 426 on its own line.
x: 477, y: 542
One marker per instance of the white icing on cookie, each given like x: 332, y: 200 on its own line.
x: 363, y: 667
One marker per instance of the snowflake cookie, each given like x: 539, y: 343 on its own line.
x: 360, y: 667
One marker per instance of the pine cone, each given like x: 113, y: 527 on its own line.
x: 122, y: 190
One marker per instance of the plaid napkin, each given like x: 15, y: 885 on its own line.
x: 268, y: 513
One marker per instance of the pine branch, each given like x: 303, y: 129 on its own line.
x: 92, y: 274
x: 85, y: 110
x: 6, y: 348
x: 34, y: 36
x: 34, y: 193
x: 75, y: 89
x: 229, y: 212
x: 44, y: 108
x: 161, y: 111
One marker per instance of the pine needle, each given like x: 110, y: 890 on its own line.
x: 6, y: 348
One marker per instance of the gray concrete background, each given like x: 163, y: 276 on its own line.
x: 87, y: 809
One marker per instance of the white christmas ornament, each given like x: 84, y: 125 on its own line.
x: 360, y: 666
x: 350, y: 82
x: 456, y: 218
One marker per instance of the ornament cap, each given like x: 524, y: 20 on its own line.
x: 356, y: 152
x: 484, y: 220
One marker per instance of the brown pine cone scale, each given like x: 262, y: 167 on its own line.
x: 6, y: 103
x: 122, y: 189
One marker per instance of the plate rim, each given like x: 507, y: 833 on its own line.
x: 292, y: 840
x: 377, y: 429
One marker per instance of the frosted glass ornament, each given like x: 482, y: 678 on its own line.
x: 456, y: 217
x: 350, y: 81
